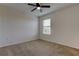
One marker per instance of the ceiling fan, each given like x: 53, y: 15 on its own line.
x: 38, y: 6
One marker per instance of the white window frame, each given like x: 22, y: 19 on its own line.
x: 43, y: 27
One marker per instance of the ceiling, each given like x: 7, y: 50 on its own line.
x: 26, y: 8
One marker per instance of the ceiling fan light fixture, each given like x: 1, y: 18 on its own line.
x: 38, y: 8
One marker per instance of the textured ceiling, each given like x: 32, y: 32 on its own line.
x: 24, y: 7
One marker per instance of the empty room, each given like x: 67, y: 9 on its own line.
x: 39, y: 29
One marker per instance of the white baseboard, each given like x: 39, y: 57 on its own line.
x: 75, y: 47
x: 16, y: 42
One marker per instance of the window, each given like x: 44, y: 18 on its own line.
x: 47, y: 26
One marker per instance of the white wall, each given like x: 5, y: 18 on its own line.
x: 16, y: 27
x: 65, y: 26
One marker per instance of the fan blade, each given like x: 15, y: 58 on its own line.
x: 33, y: 9
x: 31, y: 4
x: 45, y: 6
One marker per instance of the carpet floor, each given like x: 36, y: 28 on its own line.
x: 38, y: 48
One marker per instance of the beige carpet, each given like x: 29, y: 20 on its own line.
x: 37, y: 48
